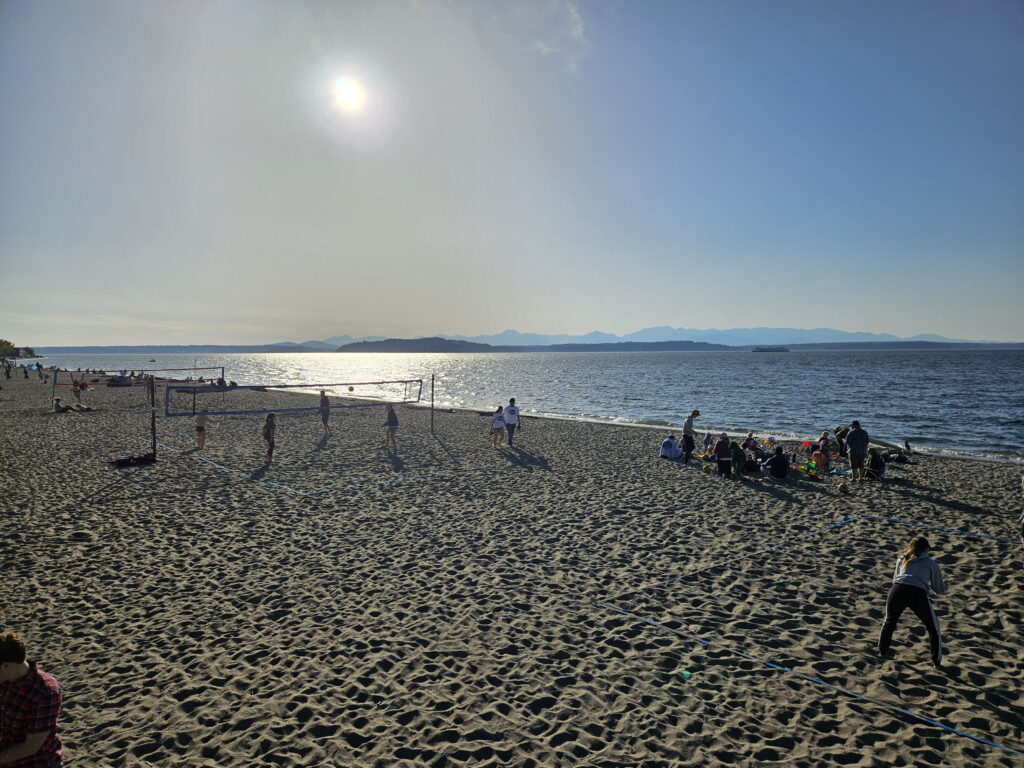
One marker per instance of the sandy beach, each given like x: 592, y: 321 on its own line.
x: 572, y: 602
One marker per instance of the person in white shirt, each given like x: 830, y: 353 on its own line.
x: 497, y: 428
x: 670, y: 449
x: 511, y: 419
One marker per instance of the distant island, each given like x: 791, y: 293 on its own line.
x: 770, y: 349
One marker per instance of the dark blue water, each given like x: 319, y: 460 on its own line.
x: 961, y: 402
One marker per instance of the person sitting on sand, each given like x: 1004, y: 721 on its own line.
x: 723, y: 455
x: 875, y: 465
x: 60, y: 408
x: 30, y: 703
x: 670, y: 449
x: 497, y: 428
x: 269, y: 433
x: 816, y: 467
x: 390, y: 430
x: 749, y: 443
x: 915, y: 573
x: 841, y: 433
x: 739, y: 459
x: 777, y: 467
x: 202, y: 420
x: 824, y: 448
x: 709, y: 442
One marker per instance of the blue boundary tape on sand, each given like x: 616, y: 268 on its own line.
x: 815, y: 680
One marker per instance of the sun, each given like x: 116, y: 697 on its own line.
x: 349, y: 95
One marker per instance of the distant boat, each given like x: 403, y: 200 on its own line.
x: 770, y: 349
x: 152, y: 361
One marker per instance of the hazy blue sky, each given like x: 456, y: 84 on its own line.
x: 183, y: 171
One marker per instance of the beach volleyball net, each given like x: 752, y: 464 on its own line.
x: 216, y: 400
x: 126, y: 377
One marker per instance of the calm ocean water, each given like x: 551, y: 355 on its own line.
x: 969, y: 403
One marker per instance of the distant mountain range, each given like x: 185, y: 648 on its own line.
x: 731, y: 337
x: 651, y: 339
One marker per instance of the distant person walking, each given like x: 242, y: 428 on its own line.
x: 497, y: 428
x: 390, y: 430
x: 325, y: 412
x: 915, y: 573
x: 689, y: 437
x: 511, y: 419
x: 857, y: 447
x: 30, y: 701
x: 269, y: 434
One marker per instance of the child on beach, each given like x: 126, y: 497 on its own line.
x: 497, y: 428
x: 824, y: 449
x: 269, y: 433
x: 390, y: 428
x: 915, y: 573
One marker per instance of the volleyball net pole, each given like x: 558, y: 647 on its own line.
x: 151, y: 385
x: 432, y: 405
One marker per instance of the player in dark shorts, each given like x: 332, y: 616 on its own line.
x: 325, y: 412
x: 269, y: 433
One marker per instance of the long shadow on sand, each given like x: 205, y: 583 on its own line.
x: 936, y: 499
x: 260, y: 472
x: 522, y: 458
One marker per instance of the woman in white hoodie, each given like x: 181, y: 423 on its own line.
x: 915, y: 573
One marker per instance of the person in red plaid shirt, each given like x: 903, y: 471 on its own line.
x: 29, y: 706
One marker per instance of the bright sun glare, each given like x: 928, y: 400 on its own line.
x: 349, y: 95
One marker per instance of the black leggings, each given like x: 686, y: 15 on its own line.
x: 901, y: 597
x: 725, y: 467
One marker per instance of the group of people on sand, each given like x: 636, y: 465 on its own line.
x: 746, y: 457
x: 504, y: 421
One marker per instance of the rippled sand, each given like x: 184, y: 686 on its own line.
x: 459, y: 606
